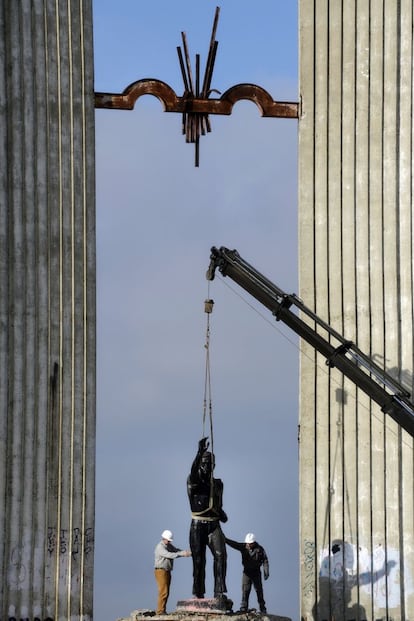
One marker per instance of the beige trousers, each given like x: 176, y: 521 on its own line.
x: 163, y: 579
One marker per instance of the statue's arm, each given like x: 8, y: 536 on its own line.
x: 218, y: 487
x: 202, y: 446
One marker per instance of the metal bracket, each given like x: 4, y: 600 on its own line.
x: 342, y: 349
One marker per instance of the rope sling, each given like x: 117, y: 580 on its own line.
x: 208, y: 405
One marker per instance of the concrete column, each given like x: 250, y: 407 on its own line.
x: 356, y: 272
x: 47, y: 310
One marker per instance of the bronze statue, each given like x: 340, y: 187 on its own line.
x: 206, y: 495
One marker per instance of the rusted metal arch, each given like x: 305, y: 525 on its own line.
x: 190, y: 104
x: 126, y: 100
x: 262, y: 99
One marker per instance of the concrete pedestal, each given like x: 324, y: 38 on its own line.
x: 214, y: 605
x: 200, y: 613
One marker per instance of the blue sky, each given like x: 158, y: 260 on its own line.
x: 157, y: 217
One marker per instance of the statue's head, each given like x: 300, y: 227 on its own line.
x: 207, y: 463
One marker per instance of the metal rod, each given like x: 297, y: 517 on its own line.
x: 188, y: 64
x: 209, y: 75
x: 197, y: 153
x: 211, y: 55
x: 209, y: 69
x: 183, y: 73
x: 197, y: 89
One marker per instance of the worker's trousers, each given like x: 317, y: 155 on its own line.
x: 203, y: 534
x: 163, y: 578
x: 252, y: 578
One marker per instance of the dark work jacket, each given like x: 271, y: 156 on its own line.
x: 252, y: 558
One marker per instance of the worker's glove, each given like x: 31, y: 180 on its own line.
x: 265, y: 574
x: 203, y: 445
x: 223, y: 516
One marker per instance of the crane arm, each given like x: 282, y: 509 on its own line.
x: 345, y: 356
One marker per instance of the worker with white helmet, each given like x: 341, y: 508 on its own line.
x: 164, y: 555
x: 253, y: 558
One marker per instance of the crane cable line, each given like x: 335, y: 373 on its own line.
x: 208, y: 402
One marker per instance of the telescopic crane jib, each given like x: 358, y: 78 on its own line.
x: 393, y: 399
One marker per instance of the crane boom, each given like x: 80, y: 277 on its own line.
x: 388, y: 393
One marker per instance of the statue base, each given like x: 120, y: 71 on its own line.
x: 216, y: 605
x: 192, y: 611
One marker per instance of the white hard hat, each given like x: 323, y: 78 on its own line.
x: 250, y: 538
x: 167, y: 534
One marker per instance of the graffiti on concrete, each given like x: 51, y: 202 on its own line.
x: 62, y: 542
x: 308, y: 580
x: 67, y: 542
x: 386, y: 590
x: 29, y: 619
x: 343, y: 566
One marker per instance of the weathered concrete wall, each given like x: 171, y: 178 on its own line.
x: 356, y: 272
x: 47, y: 309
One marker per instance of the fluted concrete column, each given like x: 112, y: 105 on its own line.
x: 47, y: 310
x: 356, y: 272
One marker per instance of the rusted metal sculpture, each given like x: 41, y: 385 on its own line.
x: 195, y: 104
